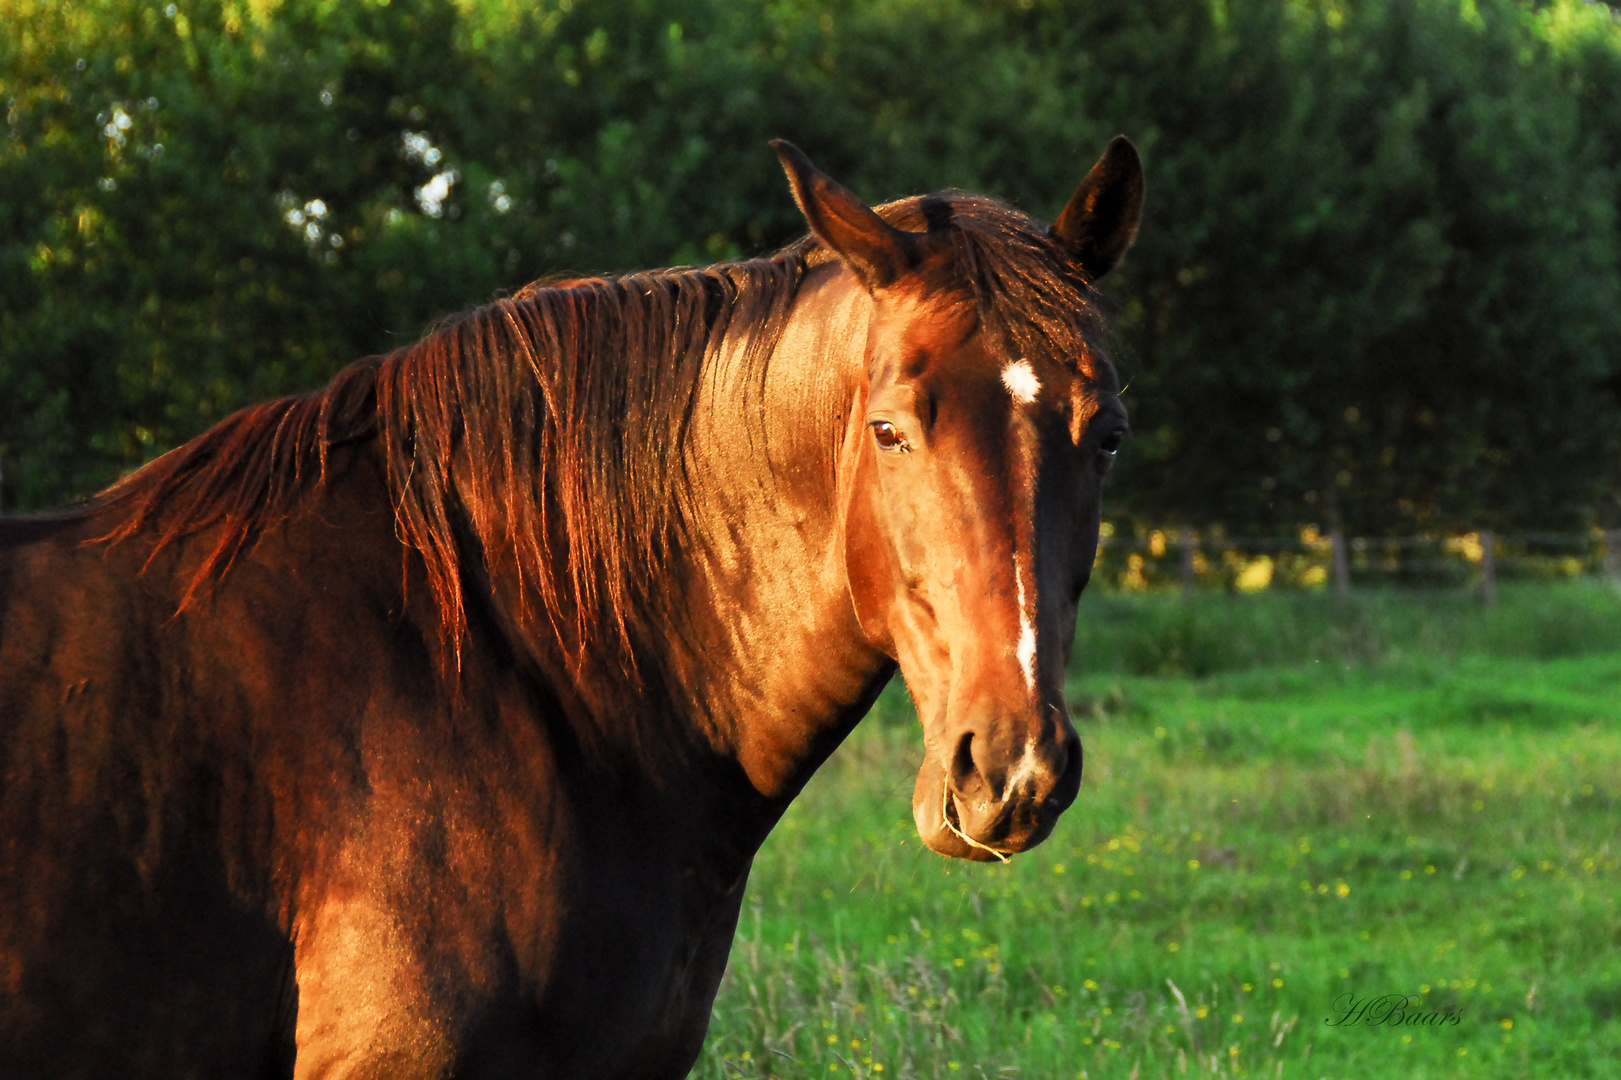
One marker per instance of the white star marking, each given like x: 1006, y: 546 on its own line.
x: 1020, y: 379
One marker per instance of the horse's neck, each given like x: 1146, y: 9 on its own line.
x: 781, y: 661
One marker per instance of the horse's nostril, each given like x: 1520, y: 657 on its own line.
x: 962, y: 762
x: 977, y: 782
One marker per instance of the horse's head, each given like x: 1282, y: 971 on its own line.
x: 972, y: 479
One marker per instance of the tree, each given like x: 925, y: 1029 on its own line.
x: 1377, y: 279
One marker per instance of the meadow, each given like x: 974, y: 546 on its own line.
x: 1292, y: 808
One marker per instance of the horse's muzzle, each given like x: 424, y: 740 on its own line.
x: 985, y: 804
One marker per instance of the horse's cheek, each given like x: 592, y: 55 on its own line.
x: 869, y: 564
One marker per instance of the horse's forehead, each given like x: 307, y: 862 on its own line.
x: 1042, y: 400
x: 932, y: 321
x: 945, y: 350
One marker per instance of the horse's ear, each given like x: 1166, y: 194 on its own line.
x: 1101, y: 219
x: 874, y: 249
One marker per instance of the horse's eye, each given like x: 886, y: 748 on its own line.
x: 1108, y: 448
x: 888, y: 436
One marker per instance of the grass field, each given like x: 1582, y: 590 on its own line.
x: 1286, y: 802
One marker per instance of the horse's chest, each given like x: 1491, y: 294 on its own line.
x: 635, y: 981
x: 610, y: 977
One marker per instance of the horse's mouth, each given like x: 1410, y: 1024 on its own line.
x: 948, y: 814
x: 958, y: 825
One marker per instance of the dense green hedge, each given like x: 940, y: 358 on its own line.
x: 1378, y: 277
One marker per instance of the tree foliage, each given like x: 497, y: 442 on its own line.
x: 1378, y: 280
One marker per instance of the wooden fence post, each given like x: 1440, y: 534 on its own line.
x: 1342, y: 562
x: 1186, y: 542
x: 1488, y: 567
x: 1612, y: 552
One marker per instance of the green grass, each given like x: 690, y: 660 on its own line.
x: 1427, y: 801
x: 1162, y: 634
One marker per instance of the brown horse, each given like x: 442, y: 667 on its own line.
x: 427, y: 725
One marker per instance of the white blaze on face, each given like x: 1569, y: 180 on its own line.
x: 1020, y: 379
x: 1026, y: 652
x: 1021, y: 382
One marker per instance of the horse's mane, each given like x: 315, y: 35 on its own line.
x: 546, y: 431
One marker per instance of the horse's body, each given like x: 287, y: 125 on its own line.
x: 427, y: 726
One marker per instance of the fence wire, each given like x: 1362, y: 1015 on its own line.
x: 1158, y: 559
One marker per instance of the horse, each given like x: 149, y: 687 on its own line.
x: 426, y: 725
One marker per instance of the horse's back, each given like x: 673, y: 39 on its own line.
x: 124, y: 948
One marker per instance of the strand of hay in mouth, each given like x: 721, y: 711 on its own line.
x: 945, y: 815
